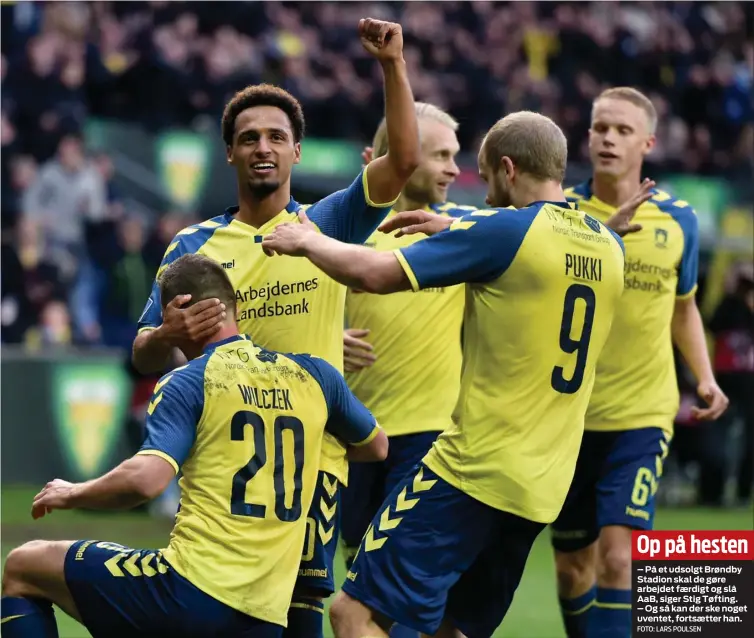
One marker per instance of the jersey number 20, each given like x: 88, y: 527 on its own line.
x: 569, y: 345
x: 238, y: 504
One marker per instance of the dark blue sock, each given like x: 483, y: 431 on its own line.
x: 305, y: 618
x: 403, y: 632
x: 611, y: 615
x: 27, y: 618
x: 575, y: 612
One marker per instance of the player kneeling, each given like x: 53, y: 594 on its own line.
x: 245, y: 425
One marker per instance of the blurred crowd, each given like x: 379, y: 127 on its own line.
x: 77, y: 262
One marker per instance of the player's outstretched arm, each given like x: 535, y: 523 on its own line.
x: 133, y: 482
x: 387, y: 175
x: 354, y: 266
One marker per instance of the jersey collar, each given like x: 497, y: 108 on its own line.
x: 292, y: 207
x: 216, y: 344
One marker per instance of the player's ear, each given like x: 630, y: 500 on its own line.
x: 297, y: 152
x: 649, y: 144
x: 229, y: 154
x: 507, y: 168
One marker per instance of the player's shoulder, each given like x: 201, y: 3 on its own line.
x: 678, y: 209
x: 452, y: 209
x: 192, y: 238
x: 186, y: 381
x: 578, y: 192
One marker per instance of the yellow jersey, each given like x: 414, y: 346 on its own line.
x: 636, y: 384
x: 413, y: 385
x: 543, y: 283
x: 245, y: 426
x: 286, y: 303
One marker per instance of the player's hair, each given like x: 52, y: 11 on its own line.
x: 200, y: 277
x: 423, y: 110
x: 262, y: 95
x: 533, y: 142
x: 637, y: 98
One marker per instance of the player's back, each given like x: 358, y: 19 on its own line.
x: 532, y: 337
x: 249, y: 478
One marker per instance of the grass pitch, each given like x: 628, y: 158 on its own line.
x: 534, y: 613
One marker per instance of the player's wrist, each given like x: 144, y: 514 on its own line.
x: 393, y: 63
x: 163, y: 336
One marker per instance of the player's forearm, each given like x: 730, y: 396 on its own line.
x: 400, y: 118
x: 121, y: 488
x: 688, y: 335
x: 357, y: 267
x: 151, y: 352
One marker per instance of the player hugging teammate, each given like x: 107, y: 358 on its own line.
x: 262, y: 438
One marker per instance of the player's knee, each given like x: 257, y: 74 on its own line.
x: 18, y: 565
x: 342, y: 613
x: 615, y: 563
x: 575, y: 571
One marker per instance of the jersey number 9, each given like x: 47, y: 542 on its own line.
x: 238, y: 504
x: 569, y: 345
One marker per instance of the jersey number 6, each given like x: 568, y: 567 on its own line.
x: 238, y: 504
x: 568, y: 345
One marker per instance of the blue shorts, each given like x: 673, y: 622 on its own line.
x: 433, y: 552
x: 121, y: 591
x: 321, y: 544
x: 616, y: 479
x: 370, y: 483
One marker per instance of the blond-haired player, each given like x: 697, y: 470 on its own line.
x: 451, y: 541
x: 407, y: 374
x: 635, y: 398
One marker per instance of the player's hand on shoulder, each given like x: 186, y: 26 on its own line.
x: 289, y: 238
x: 367, y: 154
x: 621, y: 221
x: 194, y: 323
x: 56, y: 495
x: 715, y: 399
x: 357, y: 353
x: 383, y: 40
x: 410, y: 222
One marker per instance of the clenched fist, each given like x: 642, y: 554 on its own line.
x: 383, y: 40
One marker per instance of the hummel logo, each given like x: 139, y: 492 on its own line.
x: 229, y: 264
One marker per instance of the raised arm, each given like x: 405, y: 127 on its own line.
x: 387, y: 175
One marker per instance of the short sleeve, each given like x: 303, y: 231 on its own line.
x: 173, y: 414
x: 349, y: 215
x: 348, y: 418
x: 477, y: 248
x: 688, y: 268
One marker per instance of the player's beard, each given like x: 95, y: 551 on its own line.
x: 421, y: 194
x: 260, y: 190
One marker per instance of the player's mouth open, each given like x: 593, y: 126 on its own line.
x: 607, y: 155
x: 263, y: 167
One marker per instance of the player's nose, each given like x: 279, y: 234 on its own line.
x: 452, y: 170
x: 263, y: 147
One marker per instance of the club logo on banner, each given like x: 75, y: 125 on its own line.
x: 90, y: 402
x: 183, y: 164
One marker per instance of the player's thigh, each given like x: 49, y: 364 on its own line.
x: 37, y: 570
x: 360, y: 499
x: 424, y: 537
x: 627, y: 488
x: 406, y: 452
x: 576, y: 527
x: 120, y: 591
x: 478, y: 602
x: 315, y: 575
